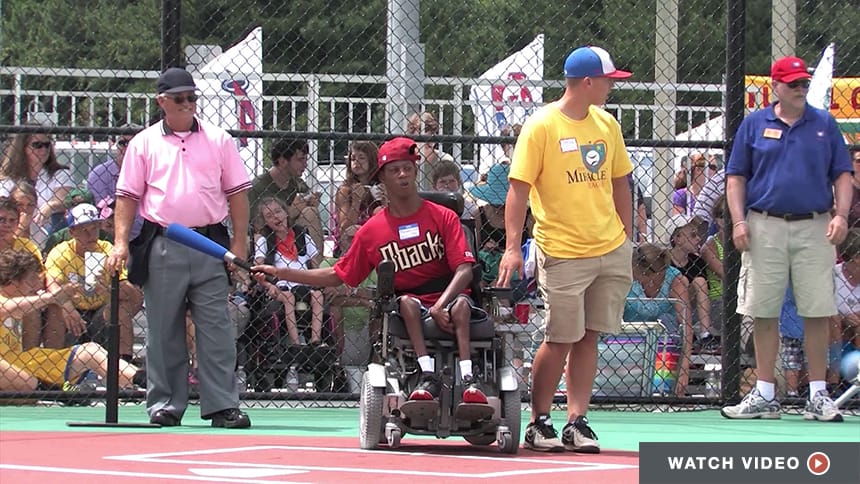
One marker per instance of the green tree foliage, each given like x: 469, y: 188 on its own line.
x: 461, y: 37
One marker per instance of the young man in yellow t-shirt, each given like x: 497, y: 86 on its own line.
x: 21, y: 294
x: 66, y: 263
x: 570, y: 162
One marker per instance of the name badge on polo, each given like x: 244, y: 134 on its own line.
x: 772, y: 133
x: 568, y: 145
x: 409, y: 231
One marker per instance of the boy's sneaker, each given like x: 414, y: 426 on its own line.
x: 542, y: 437
x: 753, y: 406
x: 709, y: 344
x: 427, y: 388
x: 821, y: 407
x: 472, y: 392
x: 577, y: 436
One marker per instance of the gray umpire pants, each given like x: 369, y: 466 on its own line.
x: 182, y: 278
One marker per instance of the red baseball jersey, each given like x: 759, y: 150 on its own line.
x: 427, y: 245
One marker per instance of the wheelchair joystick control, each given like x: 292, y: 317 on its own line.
x: 385, y: 278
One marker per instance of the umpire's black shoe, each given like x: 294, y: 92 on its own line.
x: 232, y: 418
x: 165, y: 419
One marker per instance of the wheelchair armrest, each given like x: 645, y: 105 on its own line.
x: 499, y: 292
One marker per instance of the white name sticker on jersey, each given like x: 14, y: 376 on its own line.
x: 408, y: 231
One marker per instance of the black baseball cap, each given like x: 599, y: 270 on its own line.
x: 175, y: 79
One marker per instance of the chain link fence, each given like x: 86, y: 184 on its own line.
x: 311, y: 90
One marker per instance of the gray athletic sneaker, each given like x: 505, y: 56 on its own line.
x: 577, y: 436
x: 753, y: 406
x: 542, y: 437
x: 821, y: 407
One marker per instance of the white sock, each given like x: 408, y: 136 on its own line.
x: 426, y: 364
x: 465, y: 369
x: 816, y: 386
x: 765, y: 389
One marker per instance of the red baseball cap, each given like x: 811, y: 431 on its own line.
x: 397, y: 149
x: 789, y: 69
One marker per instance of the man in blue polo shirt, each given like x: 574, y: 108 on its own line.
x: 786, y: 163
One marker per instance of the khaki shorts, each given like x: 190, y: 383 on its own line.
x: 780, y: 250
x: 582, y: 294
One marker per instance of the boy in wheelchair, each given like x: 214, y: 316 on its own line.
x: 432, y: 266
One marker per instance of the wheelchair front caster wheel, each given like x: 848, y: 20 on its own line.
x: 506, y: 443
x: 394, y: 438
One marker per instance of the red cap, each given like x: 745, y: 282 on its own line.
x: 397, y: 149
x: 789, y: 69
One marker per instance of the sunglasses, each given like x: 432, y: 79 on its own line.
x: 8, y: 220
x: 192, y: 98
x: 122, y: 142
x: 804, y: 83
x: 38, y: 145
x: 713, y: 167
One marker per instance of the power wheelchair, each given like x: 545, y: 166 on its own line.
x: 385, y: 412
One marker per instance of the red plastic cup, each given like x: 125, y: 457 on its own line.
x: 521, y: 312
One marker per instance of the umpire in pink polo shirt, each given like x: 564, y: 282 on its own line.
x: 186, y: 171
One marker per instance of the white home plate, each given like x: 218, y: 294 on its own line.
x: 243, y: 472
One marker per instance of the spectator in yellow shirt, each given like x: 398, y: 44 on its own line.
x: 86, y: 317
x: 21, y: 294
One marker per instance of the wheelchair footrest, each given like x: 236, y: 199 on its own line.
x: 472, y: 412
x: 420, y: 410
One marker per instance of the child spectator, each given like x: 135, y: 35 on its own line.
x: 712, y: 253
x: 791, y: 347
x: 86, y: 317
x: 21, y: 294
x: 684, y: 242
x: 279, y: 246
x: 446, y: 178
x: 350, y: 306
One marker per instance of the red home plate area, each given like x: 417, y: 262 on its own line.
x: 28, y: 457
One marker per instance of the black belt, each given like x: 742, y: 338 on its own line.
x: 788, y: 217
x: 206, y: 230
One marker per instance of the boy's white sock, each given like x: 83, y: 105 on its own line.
x: 466, y: 369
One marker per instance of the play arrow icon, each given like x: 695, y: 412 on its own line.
x: 818, y: 463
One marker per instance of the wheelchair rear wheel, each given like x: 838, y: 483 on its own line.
x: 370, y: 427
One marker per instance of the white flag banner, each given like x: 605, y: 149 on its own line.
x: 822, y: 80
x: 500, y: 105
x: 231, y: 89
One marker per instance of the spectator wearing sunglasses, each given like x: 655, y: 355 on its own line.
x: 101, y: 181
x: 788, y: 166
x: 30, y: 157
x: 187, y: 171
x: 684, y: 198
